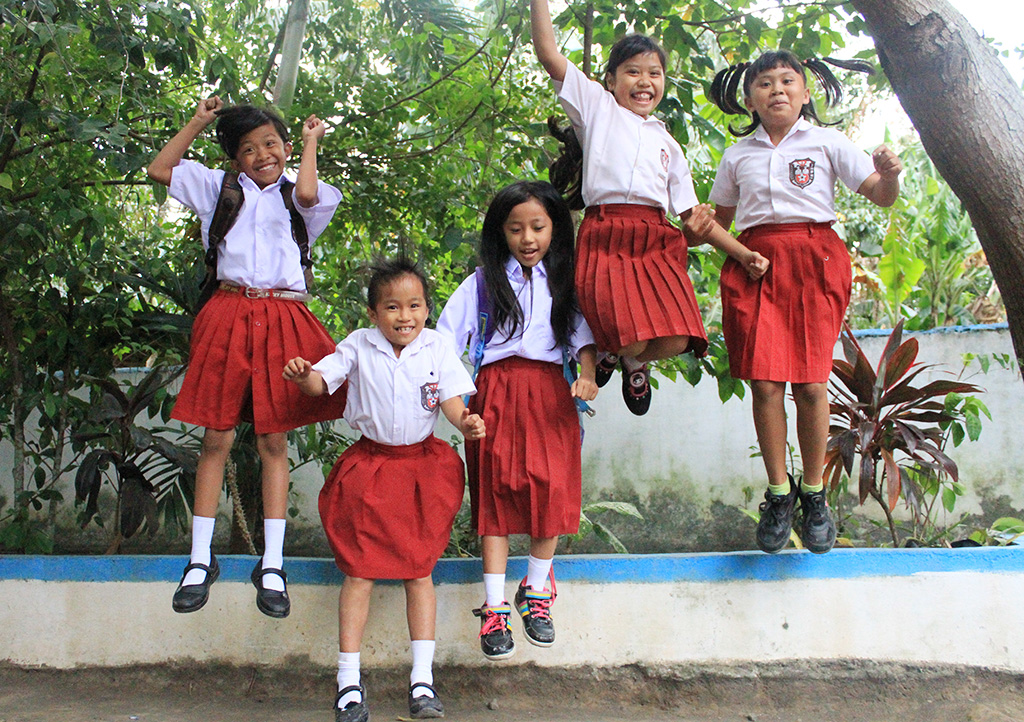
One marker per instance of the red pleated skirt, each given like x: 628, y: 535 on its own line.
x: 525, y: 477
x: 631, y: 278
x: 784, y: 326
x: 238, y: 350
x: 388, y: 510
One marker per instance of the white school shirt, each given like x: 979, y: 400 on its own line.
x: 395, y: 400
x: 626, y: 158
x: 460, y: 320
x: 259, y: 250
x: 792, y: 183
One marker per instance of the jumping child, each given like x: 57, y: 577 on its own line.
x: 253, y: 323
x: 778, y: 183
x: 389, y: 502
x: 631, y: 277
x: 526, y: 477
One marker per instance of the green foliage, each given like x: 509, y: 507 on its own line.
x: 589, y: 525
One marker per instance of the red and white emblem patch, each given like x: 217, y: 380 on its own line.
x: 429, y: 396
x: 801, y: 172
x: 664, y: 159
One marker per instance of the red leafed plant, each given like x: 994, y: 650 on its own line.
x: 879, y: 412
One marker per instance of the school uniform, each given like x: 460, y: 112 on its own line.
x: 244, y: 335
x: 783, y: 326
x: 631, y: 278
x: 388, y: 504
x: 525, y: 477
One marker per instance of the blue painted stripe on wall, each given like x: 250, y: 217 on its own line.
x: 602, y: 569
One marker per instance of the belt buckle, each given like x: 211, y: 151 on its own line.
x: 257, y: 293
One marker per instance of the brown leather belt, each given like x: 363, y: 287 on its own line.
x: 265, y: 292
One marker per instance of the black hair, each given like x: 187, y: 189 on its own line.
x: 235, y: 121
x: 384, y: 271
x: 727, y: 81
x: 566, y: 171
x: 558, y: 262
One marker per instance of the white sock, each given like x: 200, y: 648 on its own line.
x: 273, y: 552
x: 631, y: 364
x: 348, y: 676
x: 202, y: 538
x: 537, y: 572
x: 606, y: 356
x: 494, y: 589
x: 422, y: 665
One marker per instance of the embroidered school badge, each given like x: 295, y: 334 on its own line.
x: 801, y: 172
x: 664, y: 159
x: 429, y: 396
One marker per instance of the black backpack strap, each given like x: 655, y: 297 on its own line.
x: 299, y: 232
x: 229, y: 203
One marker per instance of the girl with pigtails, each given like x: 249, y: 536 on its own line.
x: 778, y: 185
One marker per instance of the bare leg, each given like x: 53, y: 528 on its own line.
x: 543, y: 548
x: 273, y: 450
x: 213, y: 456
x: 420, y: 607
x: 495, y: 554
x: 353, y: 611
x: 812, y: 414
x: 633, y: 349
x: 769, y: 402
x: 665, y: 347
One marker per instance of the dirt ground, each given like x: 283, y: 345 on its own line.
x: 789, y: 692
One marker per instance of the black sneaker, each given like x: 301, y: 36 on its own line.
x: 495, y: 633
x: 636, y: 390
x: 605, y: 368
x: 353, y: 711
x: 535, y: 609
x: 817, y: 528
x: 776, y: 521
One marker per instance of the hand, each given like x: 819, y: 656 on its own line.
x: 584, y: 388
x: 313, y: 129
x: 887, y: 163
x: 756, y: 264
x: 472, y: 425
x: 206, y: 112
x: 700, y: 223
x: 297, y: 370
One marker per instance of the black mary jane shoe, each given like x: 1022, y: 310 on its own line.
x: 192, y: 597
x: 270, y: 601
x: 353, y: 711
x: 424, y: 707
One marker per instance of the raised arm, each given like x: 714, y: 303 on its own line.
x: 162, y: 166
x: 313, y: 130
x: 883, y: 186
x: 542, y: 32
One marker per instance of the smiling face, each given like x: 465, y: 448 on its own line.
x: 638, y: 83
x: 528, y: 233
x: 401, y: 311
x: 777, y: 96
x: 262, y: 154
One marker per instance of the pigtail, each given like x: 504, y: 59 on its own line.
x: 827, y: 80
x: 724, y: 87
x: 566, y: 171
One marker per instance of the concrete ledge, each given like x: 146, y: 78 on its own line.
x: 926, y: 606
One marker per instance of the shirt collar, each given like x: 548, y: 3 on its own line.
x: 515, y: 271
x: 799, y: 126
x: 384, y: 346
x: 247, y: 181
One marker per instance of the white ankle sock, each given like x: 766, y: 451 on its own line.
x: 422, y: 665
x: 494, y: 589
x: 273, y: 552
x: 348, y: 676
x: 202, y: 538
x: 537, y: 572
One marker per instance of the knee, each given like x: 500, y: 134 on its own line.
x: 217, y: 443
x: 809, y: 394
x: 766, y: 391
x: 272, y: 446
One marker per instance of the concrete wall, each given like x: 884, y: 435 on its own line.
x: 688, y: 463
x: 907, y: 605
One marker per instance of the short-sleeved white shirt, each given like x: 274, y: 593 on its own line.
x: 460, y: 320
x: 259, y: 250
x: 626, y: 158
x: 395, y: 400
x: 791, y: 183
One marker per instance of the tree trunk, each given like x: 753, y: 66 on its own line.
x: 291, y: 51
x: 970, y: 116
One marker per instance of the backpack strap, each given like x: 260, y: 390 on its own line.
x: 229, y: 203
x: 299, y: 233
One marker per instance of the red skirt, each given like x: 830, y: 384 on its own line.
x: 238, y: 350
x: 388, y: 510
x: 784, y: 326
x: 631, y: 278
x: 525, y: 477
